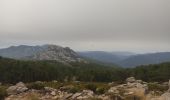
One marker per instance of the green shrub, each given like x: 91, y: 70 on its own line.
x: 100, y: 90
x: 94, y: 98
x: 133, y: 97
x: 36, y: 85
x: 115, y: 97
x: 55, y: 85
x: 91, y: 86
x: 32, y: 97
x: 74, y: 90
x: 157, y: 87
x: 3, y: 93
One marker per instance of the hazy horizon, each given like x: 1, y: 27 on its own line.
x: 134, y: 52
x: 87, y: 25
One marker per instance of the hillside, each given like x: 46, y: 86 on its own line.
x: 44, y: 52
x: 21, y: 51
x: 106, y: 57
x: 145, y: 59
x: 127, y: 59
x: 12, y: 71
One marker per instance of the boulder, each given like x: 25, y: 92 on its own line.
x: 111, y: 83
x: 103, y: 97
x: 67, y: 96
x: 76, y: 95
x: 139, y: 81
x: 88, y: 92
x: 49, y: 89
x: 53, y: 93
x: 54, y: 81
x: 165, y: 96
x: 16, y: 89
x: 82, y: 98
x: 113, y: 90
x: 165, y: 83
x: 130, y: 80
x: 128, y: 93
x: 65, y: 88
x: 169, y: 86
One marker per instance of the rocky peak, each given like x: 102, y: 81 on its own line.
x: 58, y: 53
x: 44, y: 52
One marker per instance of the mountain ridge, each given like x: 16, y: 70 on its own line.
x: 44, y: 52
x: 145, y: 59
x: 107, y: 57
x: 67, y: 55
x: 129, y: 59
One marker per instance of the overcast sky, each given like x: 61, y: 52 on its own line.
x: 83, y: 25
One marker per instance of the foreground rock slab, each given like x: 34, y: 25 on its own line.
x: 131, y: 90
x: 16, y: 89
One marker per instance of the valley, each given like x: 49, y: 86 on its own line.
x: 52, y: 72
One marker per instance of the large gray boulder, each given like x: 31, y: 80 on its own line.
x: 169, y: 87
x: 165, y: 96
x: 16, y: 89
x: 130, y: 80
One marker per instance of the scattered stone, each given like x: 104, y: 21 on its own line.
x: 64, y: 88
x: 133, y: 88
x: 130, y: 80
x: 77, y: 81
x: 139, y: 81
x: 39, y: 82
x: 111, y: 83
x: 67, y: 96
x: 53, y: 93
x: 16, y: 89
x: 145, y: 83
x: 165, y: 96
x: 75, y: 95
x: 165, y: 83
x: 113, y: 90
x: 54, y: 81
x: 129, y: 93
x: 49, y: 89
x: 169, y: 87
x: 103, y: 97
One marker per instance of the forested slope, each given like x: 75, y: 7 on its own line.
x: 12, y: 71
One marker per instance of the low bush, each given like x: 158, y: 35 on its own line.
x: 74, y: 90
x: 101, y: 90
x: 91, y: 86
x: 157, y: 87
x: 3, y: 93
x: 133, y: 97
x: 36, y: 85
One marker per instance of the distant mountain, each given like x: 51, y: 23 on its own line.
x: 58, y: 53
x: 21, y: 51
x: 127, y: 59
x: 145, y: 59
x: 67, y: 55
x: 45, y: 52
x: 106, y: 57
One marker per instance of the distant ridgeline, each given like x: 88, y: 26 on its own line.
x: 67, y: 55
x: 12, y: 71
x: 44, y: 52
x: 127, y: 59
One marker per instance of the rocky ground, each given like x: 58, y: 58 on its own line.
x: 132, y: 89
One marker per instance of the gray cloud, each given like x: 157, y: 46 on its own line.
x: 135, y: 25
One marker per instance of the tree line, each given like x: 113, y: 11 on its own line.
x: 12, y: 71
